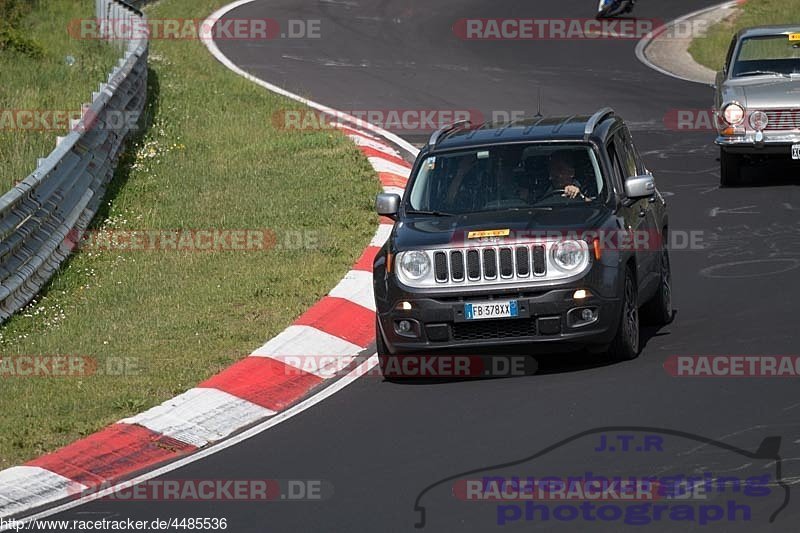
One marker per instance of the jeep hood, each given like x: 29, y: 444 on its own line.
x: 430, y: 232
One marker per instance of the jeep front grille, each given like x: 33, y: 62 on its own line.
x: 490, y: 263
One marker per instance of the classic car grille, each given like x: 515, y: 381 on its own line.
x: 497, y: 329
x: 783, y: 119
x: 505, y: 262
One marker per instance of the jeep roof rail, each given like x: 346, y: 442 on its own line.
x: 594, y: 120
x: 450, y: 128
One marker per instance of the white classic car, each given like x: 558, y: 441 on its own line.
x: 757, y: 99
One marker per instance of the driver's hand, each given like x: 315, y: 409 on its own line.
x: 571, y: 191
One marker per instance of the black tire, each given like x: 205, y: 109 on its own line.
x: 730, y: 169
x: 625, y: 345
x: 658, y: 311
x: 381, y: 349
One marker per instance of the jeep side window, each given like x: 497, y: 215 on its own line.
x: 625, y: 155
x: 616, y: 167
x: 641, y: 169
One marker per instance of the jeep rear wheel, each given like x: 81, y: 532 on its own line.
x: 625, y: 345
x: 730, y: 169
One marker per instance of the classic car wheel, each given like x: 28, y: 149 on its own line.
x: 658, y: 311
x: 626, y: 343
x: 729, y: 168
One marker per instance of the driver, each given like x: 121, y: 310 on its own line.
x: 562, y: 174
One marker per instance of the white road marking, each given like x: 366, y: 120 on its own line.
x: 383, y: 165
x: 361, y: 140
x: 381, y: 235
x: 25, y: 487
x: 306, y: 340
x: 356, y: 286
x: 733, y: 211
x: 200, y: 416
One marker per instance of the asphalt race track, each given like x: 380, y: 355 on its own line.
x: 380, y: 444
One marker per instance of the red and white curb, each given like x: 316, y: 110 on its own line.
x: 261, y: 387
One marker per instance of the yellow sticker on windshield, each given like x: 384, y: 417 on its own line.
x: 488, y: 233
x: 794, y: 37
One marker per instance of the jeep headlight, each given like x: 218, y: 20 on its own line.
x: 570, y: 255
x: 414, y: 265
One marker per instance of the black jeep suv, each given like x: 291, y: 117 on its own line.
x: 534, y: 232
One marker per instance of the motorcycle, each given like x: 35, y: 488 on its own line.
x: 614, y: 8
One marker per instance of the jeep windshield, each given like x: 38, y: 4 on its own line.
x: 507, y: 177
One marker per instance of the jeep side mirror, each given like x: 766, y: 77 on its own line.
x: 640, y: 187
x: 387, y: 204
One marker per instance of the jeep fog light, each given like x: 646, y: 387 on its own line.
x: 582, y: 316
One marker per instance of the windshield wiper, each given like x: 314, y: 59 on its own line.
x: 762, y: 72
x: 430, y: 213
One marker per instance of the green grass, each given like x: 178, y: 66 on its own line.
x: 35, y: 75
x: 211, y: 159
x: 710, y: 50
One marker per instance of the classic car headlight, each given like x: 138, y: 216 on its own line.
x: 759, y: 120
x: 414, y: 265
x: 570, y: 255
x: 733, y: 114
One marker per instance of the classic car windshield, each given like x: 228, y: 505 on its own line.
x: 507, y: 177
x: 773, y: 54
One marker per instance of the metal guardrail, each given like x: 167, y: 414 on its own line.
x: 44, y: 215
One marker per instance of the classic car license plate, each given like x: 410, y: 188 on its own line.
x: 796, y: 151
x: 498, y: 309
